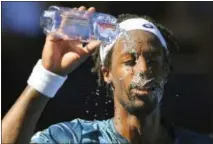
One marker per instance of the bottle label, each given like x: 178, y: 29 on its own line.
x: 82, y: 22
x: 77, y: 28
x: 106, y: 29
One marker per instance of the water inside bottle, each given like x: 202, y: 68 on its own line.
x: 79, y: 25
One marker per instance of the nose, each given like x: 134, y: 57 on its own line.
x: 141, y: 65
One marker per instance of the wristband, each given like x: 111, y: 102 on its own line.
x: 44, y: 81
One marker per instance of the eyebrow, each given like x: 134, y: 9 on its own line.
x: 129, y: 52
x: 152, y: 51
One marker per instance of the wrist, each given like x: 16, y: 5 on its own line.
x: 45, y: 81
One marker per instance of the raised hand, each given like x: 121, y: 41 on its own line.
x: 62, y: 55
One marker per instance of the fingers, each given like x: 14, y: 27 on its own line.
x: 91, y: 10
x: 82, y: 8
x: 53, y: 38
x: 76, y: 46
x: 91, y: 46
x: 88, y: 12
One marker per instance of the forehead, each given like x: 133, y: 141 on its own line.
x: 138, y: 40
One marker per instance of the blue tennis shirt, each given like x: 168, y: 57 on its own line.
x: 80, y: 131
x: 104, y: 132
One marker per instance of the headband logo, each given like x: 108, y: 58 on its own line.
x: 147, y: 25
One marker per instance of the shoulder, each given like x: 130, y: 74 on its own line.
x: 67, y: 132
x: 64, y: 132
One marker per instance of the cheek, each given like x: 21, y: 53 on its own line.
x: 122, y: 78
x: 157, y: 69
x: 161, y: 71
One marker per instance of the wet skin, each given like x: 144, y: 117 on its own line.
x: 136, y: 69
x: 137, y: 77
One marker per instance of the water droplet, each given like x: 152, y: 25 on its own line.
x: 133, y: 52
x: 87, y: 111
x: 109, y: 101
x: 132, y: 86
x: 106, y: 102
x: 97, y: 93
x: 95, y: 115
x: 96, y: 104
x: 177, y: 95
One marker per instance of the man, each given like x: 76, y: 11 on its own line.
x: 135, y: 66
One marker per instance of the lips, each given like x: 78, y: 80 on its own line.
x: 140, y: 92
x: 149, y: 86
x: 144, y: 90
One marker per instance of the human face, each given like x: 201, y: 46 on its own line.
x: 136, y: 71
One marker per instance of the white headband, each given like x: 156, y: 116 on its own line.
x: 133, y: 24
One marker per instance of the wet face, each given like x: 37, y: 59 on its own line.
x: 136, y: 71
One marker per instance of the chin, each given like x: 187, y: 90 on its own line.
x: 139, y: 104
x: 137, y: 107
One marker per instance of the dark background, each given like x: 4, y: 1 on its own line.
x: 188, y: 99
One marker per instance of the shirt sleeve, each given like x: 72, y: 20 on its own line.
x: 41, y: 137
x: 66, y: 132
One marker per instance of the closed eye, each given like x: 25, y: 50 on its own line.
x: 130, y: 62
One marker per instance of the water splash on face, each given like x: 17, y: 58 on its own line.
x: 133, y: 53
x: 157, y: 95
x: 128, y: 43
x: 140, y: 80
x: 125, y: 34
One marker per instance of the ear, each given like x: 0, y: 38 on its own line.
x: 166, y: 71
x: 106, y: 74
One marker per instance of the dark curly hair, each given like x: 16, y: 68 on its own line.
x: 167, y: 34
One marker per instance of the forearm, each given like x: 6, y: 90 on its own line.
x: 19, y: 123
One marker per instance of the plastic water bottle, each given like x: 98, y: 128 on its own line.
x: 83, y: 26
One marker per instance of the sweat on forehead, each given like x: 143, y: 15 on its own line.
x: 138, y: 39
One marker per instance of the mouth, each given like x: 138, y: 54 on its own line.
x: 143, y: 90
x: 138, y: 92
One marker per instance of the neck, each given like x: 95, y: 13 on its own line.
x: 135, y: 128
